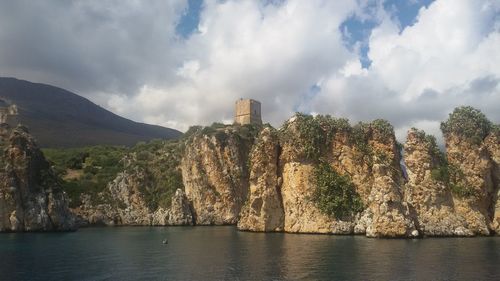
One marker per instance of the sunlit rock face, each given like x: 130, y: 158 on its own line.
x: 474, y: 161
x: 392, y: 216
x: 432, y: 199
x: 216, y: 175
x: 366, y: 154
x: 301, y: 213
x: 263, y: 210
x: 268, y: 180
x: 31, y: 198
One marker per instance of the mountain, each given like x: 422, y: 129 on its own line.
x: 59, y: 118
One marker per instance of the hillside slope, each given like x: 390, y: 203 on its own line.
x: 59, y: 118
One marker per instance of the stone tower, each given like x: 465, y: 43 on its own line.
x: 247, y: 112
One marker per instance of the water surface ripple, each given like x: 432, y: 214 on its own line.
x: 223, y: 253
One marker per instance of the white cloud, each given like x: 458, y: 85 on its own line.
x: 129, y: 58
x: 448, y: 58
x: 247, y: 49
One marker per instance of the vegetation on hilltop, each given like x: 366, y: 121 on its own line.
x: 86, y: 170
x: 469, y: 123
x: 89, y: 170
x: 159, y: 161
x: 448, y: 174
x: 313, y: 135
x: 247, y: 132
x: 335, y: 194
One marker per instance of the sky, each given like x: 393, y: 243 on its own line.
x: 179, y: 63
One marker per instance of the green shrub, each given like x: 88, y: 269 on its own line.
x: 463, y: 191
x: 382, y: 127
x: 100, y: 165
x: 495, y: 129
x: 359, y: 137
x: 335, y: 194
x: 191, y: 131
x: 247, y: 131
x: 468, y: 123
x: 433, y: 147
x: 453, y: 177
x: 313, y: 134
x: 217, y: 125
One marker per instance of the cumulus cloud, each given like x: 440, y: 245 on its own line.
x: 273, y: 53
x: 92, y: 47
x: 418, y: 75
x: 291, y: 55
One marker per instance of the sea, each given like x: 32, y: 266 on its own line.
x: 224, y: 253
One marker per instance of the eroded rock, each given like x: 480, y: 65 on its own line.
x: 263, y: 210
x: 215, y: 174
x: 31, y: 198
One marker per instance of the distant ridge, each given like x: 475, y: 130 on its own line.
x: 59, y: 118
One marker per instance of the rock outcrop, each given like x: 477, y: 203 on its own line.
x: 122, y: 203
x: 263, y: 210
x: 31, y: 198
x: 432, y: 199
x: 144, y: 193
x: 297, y: 161
x: 473, y: 161
x: 215, y: 173
x: 365, y: 154
x: 492, y: 143
x: 314, y: 175
x: 392, y: 216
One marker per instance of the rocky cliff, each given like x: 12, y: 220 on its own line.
x: 263, y: 210
x: 492, y: 143
x: 215, y: 172
x: 31, y: 198
x: 472, y: 147
x: 432, y: 198
x: 363, y: 158
x: 314, y: 175
x: 148, y: 192
x: 322, y: 175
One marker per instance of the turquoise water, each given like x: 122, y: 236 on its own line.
x: 223, y: 253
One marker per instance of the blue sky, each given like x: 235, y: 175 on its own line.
x: 356, y: 31
x: 178, y: 63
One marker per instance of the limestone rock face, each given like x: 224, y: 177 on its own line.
x: 124, y: 203
x: 215, y: 174
x: 431, y: 199
x: 474, y: 161
x: 297, y: 187
x: 370, y: 158
x: 263, y: 210
x: 180, y: 211
x: 31, y: 198
x: 391, y: 215
x: 492, y: 143
x: 348, y: 159
x: 301, y: 213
